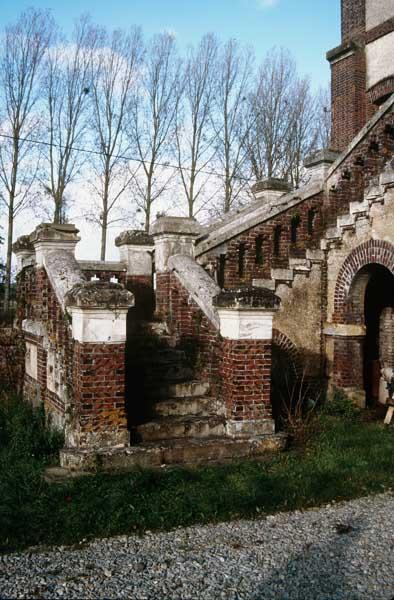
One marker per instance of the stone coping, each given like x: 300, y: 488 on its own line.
x: 99, y: 294
x: 134, y: 237
x: 247, y: 298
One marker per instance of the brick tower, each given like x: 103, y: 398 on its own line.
x: 362, y: 67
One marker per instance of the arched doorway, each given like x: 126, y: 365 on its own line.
x: 378, y: 305
x: 363, y: 320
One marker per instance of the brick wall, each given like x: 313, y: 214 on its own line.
x: 246, y: 374
x: 259, y: 267
x: 353, y: 18
x: 99, y: 391
x: 11, y: 358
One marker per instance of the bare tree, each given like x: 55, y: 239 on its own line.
x: 232, y: 121
x: 271, y: 104
x: 302, y: 138
x: 195, y: 136
x: 323, y: 117
x: 67, y: 88
x: 152, y: 123
x: 114, y: 73
x: 23, y: 47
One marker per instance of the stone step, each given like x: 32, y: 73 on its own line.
x: 282, y: 275
x: 300, y: 265
x: 192, y: 406
x: 168, y: 428
x: 185, y: 389
x: 268, y: 284
x: 346, y: 221
x: 190, y: 451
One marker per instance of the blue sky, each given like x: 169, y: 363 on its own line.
x: 307, y: 27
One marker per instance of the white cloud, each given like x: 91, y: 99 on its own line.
x: 267, y: 3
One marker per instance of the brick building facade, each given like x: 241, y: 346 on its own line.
x: 166, y: 356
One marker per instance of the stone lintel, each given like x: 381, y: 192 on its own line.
x: 344, y: 330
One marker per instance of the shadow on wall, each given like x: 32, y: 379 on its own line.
x: 319, y: 571
x: 297, y: 382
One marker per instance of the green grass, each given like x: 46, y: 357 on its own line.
x: 347, y: 458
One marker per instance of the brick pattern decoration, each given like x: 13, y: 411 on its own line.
x: 347, y: 307
x: 353, y: 18
x: 246, y: 374
x: 285, y: 344
x: 255, y: 267
x: 99, y: 391
x: 380, y: 92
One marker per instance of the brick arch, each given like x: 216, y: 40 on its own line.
x: 371, y: 252
x: 281, y: 340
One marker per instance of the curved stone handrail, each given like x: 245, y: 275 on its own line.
x: 201, y: 287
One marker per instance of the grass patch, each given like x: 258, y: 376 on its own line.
x: 347, y: 458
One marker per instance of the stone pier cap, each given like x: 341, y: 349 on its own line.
x: 134, y: 237
x: 247, y: 298
x: 99, y: 294
x: 177, y: 226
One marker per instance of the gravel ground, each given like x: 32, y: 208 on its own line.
x: 342, y: 551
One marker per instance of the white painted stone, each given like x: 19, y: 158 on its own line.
x: 344, y: 330
x: 42, y: 249
x: 245, y: 324
x: 24, y: 258
x: 380, y: 62
x: 31, y: 364
x: 93, y: 325
x: 378, y: 11
x: 95, y: 278
x: 169, y: 244
x: 55, y: 372
x: 138, y: 259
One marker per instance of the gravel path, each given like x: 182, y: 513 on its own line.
x: 343, y: 551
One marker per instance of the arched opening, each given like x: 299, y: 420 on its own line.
x: 378, y: 304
